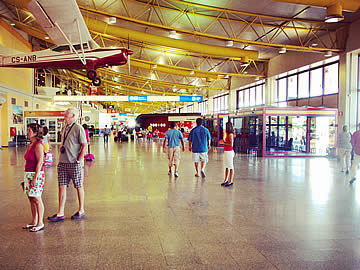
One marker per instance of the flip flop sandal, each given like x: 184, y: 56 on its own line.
x: 28, y: 226
x: 37, y: 229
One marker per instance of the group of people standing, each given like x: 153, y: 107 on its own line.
x: 72, y: 150
x: 75, y: 138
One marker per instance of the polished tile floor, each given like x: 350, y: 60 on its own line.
x: 281, y: 214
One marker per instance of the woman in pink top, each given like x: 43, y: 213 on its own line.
x: 34, y: 176
x: 229, y: 155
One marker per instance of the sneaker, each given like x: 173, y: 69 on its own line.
x: 347, y: 171
x: 169, y: 173
x: 352, y: 180
x: 176, y: 174
x: 203, y: 174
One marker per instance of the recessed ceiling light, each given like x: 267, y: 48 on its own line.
x: 282, y: 50
x: 112, y: 20
x: 334, y: 18
x: 328, y: 54
x: 229, y: 43
x: 12, y: 24
x: 172, y: 33
x: 46, y: 37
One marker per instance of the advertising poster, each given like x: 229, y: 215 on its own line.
x: 18, y: 117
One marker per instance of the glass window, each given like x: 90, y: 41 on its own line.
x: 226, y: 99
x: 316, y: 82
x: 331, y: 79
x: 259, y: 94
x: 282, y: 90
x: 190, y: 108
x: 252, y: 96
x: 240, y: 99
x: 292, y: 87
x: 304, y: 85
x: 246, y: 98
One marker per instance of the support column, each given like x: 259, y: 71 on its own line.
x: 348, y: 94
x: 344, y: 93
x: 2, y: 101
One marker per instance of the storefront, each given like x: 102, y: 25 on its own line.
x: 285, y: 132
x: 54, y: 120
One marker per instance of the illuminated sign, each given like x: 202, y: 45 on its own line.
x: 137, y: 98
x: 129, y: 98
x: 191, y: 98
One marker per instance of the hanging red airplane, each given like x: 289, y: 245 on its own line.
x: 75, y: 49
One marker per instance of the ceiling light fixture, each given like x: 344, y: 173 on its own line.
x: 192, y: 72
x: 328, y: 54
x: 154, y: 66
x: 282, y: 50
x: 314, y: 44
x: 244, y: 64
x: 334, y: 13
x: 172, y: 33
x: 46, y: 37
x: 229, y: 43
x: 226, y: 76
x: 112, y: 20
x: 12, y: 24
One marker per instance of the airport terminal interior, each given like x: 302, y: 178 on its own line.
x: 284, y: 73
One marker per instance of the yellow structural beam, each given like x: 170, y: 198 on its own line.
x: 347, y: 5
x: 210, y: 50
x: 204, y: 49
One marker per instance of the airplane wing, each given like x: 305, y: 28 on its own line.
x: 60, y: 18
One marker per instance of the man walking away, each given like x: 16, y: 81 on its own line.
x: 355, y: 141
x: 345, y: 148
x: 106, y: 134
x: 71, y: 158
x: 173, y: 137
x: 199, y: 143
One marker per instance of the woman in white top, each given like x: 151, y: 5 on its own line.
x: 345, y: 148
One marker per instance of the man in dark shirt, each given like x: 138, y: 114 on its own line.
x: 199, y: 143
